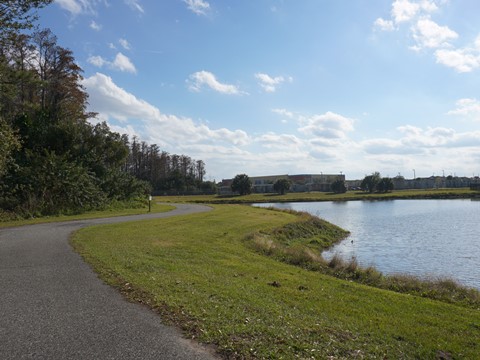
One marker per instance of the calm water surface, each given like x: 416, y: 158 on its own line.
x: 427, y: 238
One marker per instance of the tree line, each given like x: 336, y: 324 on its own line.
x: 52, y: 158
x: 242, y: 185
x: 166, y: 173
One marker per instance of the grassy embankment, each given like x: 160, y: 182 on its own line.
x: 112, y: 211
x: 462, y: 193
x: 208, y: 274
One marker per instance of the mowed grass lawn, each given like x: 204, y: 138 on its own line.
x: 199, y: 273
x: 111, y: 212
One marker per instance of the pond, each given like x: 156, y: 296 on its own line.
x: 426, y: 238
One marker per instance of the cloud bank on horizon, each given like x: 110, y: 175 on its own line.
x: 278, y: 88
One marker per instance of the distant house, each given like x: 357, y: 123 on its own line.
x: 264, y: 184
x: 300, y: 183
x: 433, y: 182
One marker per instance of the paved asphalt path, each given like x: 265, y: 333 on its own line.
x: 53, y: 306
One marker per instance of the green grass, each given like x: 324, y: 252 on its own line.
x: 323, y: 196
x: 111, y: 212
x: 200, y: 273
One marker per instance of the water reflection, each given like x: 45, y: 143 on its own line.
x: 428, y: 238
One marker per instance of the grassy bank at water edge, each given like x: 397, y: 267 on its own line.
x: 201, y: 273
x: 462, y: 193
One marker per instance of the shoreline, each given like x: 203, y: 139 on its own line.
x: 348, y: 260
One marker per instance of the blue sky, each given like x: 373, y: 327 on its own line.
x: 268, y: 87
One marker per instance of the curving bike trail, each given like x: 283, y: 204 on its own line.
x: 53, y: 306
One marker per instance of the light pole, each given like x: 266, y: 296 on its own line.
x: 414, y: 174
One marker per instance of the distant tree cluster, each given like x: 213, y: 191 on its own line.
x: 166, y: 172
x: 52, y: 159
x: 242, y: 184
x: 375, y: 182
x: 339, y: 187
x: 281, y: 186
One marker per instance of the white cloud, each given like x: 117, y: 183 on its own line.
x: 123, y: 63
x: 199, y: 7
x: 410, y: 130
x: 203, y: 78
x: 329, y: 125
x: 429, y: 34
x: 430, y: 6
x: 415, y: 140
x: 112, y: 101
x: 469, y: 108
x: 388, y: 146
x: 71, y: 6
x: 77, y: 7
x: 95, y: 26
x: 98, y: 61
x: 124, y: 43
x: 236, y: 137
x: 284, y: 112
x: 268, y: 83
x: 135, y: 5
x: 120, y: 63
x: 424, y: 31
x: 115, y: 103
x: 384, y: 25
x: 418, y: 138
x: 407, y: 11
x: 462, y: 60
x: 279, y: 141
x: 404, y: 10
x: 321, y: 130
